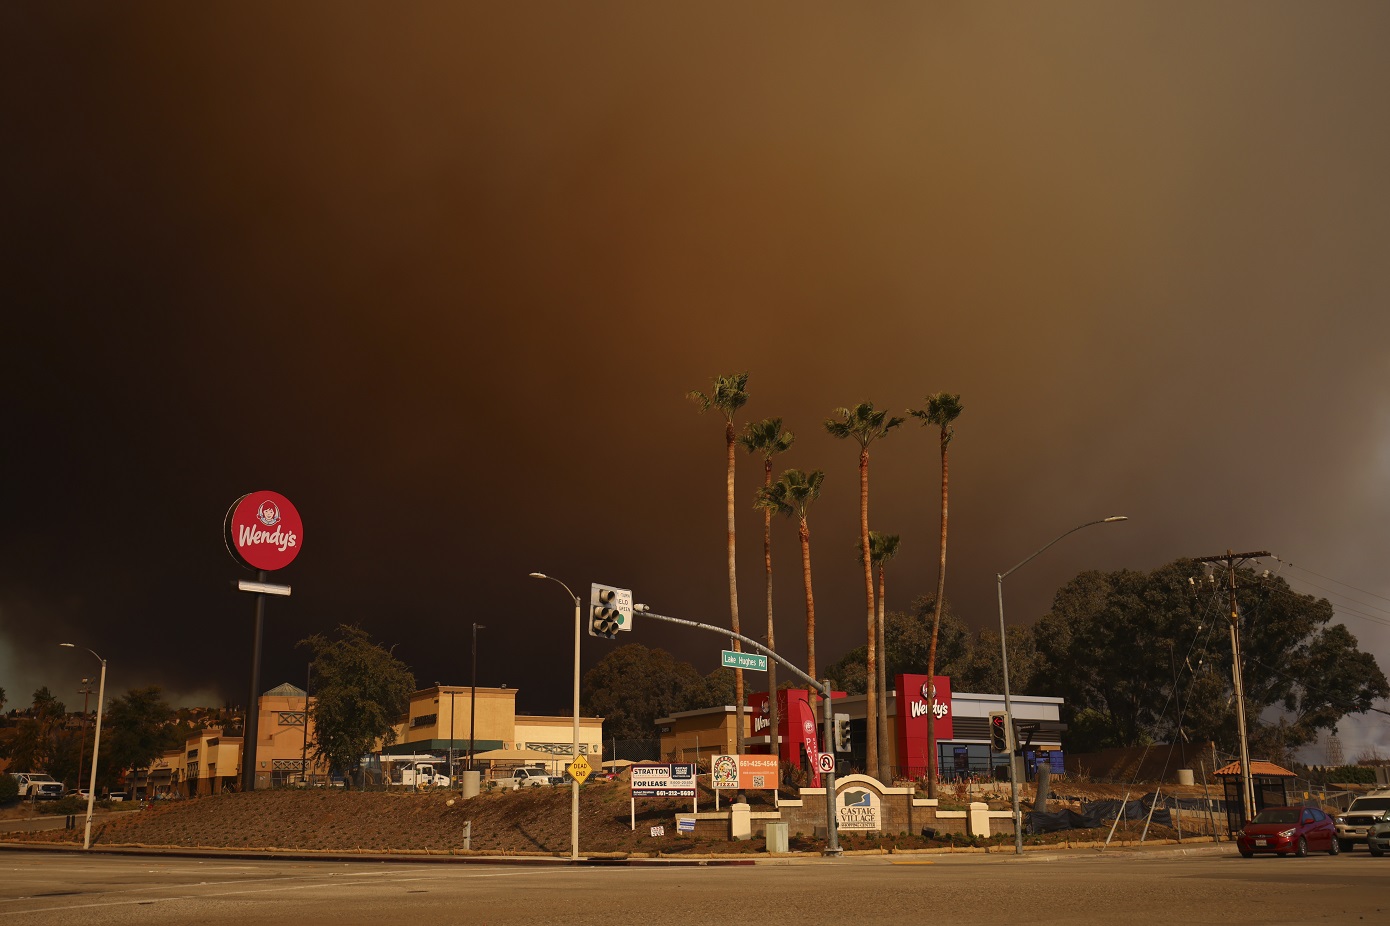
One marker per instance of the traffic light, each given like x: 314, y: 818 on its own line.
x: 841, y: 731
x: 999, y: 738
x: 610, y: 610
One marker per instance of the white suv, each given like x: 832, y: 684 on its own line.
x: 1356, y: 821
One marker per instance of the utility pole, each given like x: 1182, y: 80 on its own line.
x: 304, y: 750
x: 84, y: 691
x: 1247, y: 785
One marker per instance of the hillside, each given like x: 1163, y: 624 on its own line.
x: 531, y: 821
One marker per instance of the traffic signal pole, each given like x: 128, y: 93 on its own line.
x: 832, y: 830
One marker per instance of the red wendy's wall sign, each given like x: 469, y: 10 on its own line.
x: 263, y: 531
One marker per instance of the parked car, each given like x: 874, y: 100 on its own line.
x: 1378, y: 837
x: 117, y: 796
x: 533, y: 778
x: 1285, y: 830
x: 1356, y: 821
x: 37, y: 786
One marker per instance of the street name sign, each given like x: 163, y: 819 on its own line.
x: 752, y: 661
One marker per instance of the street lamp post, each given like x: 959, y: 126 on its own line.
x: 304, y: 750
x: 86, y: 693
x: 1008, y: 701
x: 96, y: 745
x: 473, y: 694
x: 574, y: 782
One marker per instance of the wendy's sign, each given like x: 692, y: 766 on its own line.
x: 263, y: 531
x: 916, y: 699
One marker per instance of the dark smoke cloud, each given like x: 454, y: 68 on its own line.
x: 443, y: 277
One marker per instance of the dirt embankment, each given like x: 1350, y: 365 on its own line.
x: 533, y: 820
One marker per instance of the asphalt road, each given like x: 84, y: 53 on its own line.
x: 38, y: 889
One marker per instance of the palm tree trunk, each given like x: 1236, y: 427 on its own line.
x: 885, y: 772
x: 871, y: 662
x: 805, y: 533
x: 936, y: 627
x: 729, y: 438
x: 773, y: 718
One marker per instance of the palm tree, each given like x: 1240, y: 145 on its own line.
x: 865, y: 424
x: 882, y: 548
x: 728, y: 396
x: 942, y: 409
x: 792, y: 495
x: 768, y: 438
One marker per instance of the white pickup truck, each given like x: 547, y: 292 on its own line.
x: 37, y: 786
x: 423, y: 776
x: 532, y: 778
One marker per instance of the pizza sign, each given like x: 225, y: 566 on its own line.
x: 263, y: 531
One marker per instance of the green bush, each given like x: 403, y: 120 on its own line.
x: 9, y: 789
x: 63, y: 807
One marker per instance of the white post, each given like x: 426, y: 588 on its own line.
x: 96, y: 745
x: 574, y: 782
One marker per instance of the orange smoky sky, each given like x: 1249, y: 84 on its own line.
x: 442, y: 275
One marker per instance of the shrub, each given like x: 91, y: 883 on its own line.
x: 9, y: 789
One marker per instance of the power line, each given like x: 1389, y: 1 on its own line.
x: 1330, y: 579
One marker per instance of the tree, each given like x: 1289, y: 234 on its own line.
x: 37, y: 743
x: 633, y: 685
x: 2, y: 698
x: 882, y: 548
x: 361, y: 689
x: 792, y: 495
x: 138, y: 728
x: 728, y: 396
x: 906, y: 643
x: 766, y: 437
x: 1099, y: 647
x: 865, y: 424
x: 942, y: 409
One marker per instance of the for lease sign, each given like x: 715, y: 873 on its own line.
x: 675, y: 780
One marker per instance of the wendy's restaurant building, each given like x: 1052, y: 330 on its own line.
x: 961, y: 730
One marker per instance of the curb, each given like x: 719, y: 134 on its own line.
x: 296, y: 855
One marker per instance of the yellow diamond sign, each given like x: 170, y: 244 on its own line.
x: 580, y: 769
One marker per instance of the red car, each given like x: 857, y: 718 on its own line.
x: 1284, y: 830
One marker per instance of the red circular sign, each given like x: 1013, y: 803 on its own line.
x: 263, y: 531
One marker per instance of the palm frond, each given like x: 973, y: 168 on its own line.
x: 766, y: 437
x: 729, y: 395
x: 864, y: 423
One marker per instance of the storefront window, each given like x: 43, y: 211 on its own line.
x: 963, y: 761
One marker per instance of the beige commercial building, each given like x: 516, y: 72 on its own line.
x: 439, y: 719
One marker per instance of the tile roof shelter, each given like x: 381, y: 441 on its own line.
x: 1271, y: 789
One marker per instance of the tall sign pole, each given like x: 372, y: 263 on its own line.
x: 263, y: 532
x: 1247, y: 782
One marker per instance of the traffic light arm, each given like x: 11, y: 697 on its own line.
x: 832, y: 827
x: 821, y: 687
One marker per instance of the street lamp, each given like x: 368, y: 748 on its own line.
x: 1004, y: 655
x: 473, y: 695
x: 96, y: 744
x: 86, y: 692
x: 574, y: 782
